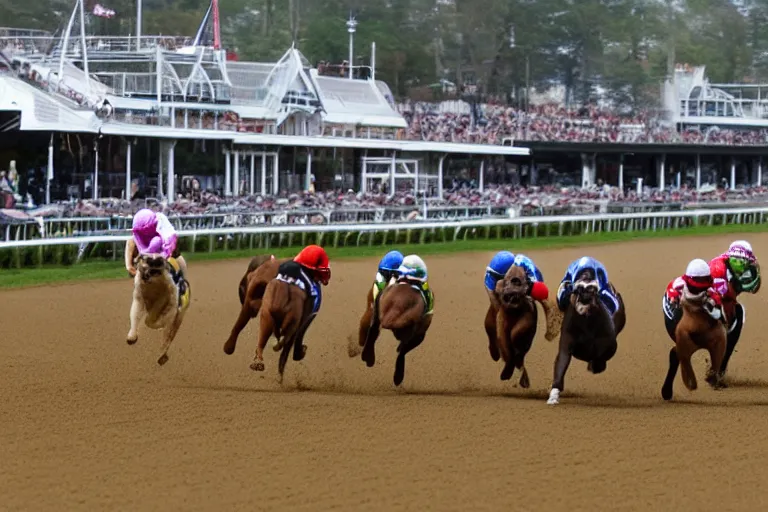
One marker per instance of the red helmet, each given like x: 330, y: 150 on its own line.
x: 314, y: 258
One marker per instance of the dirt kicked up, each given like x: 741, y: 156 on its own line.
x: 90, y: 423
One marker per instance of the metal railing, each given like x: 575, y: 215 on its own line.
x: 70, y: 250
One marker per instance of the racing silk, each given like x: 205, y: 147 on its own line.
x: 503, y: 261
x: 292, y: 273
x: 675, y: 290
x: 165, y: 230
x: 601, y: 275
x: 728, y: 285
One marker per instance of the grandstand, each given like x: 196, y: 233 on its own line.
x: 122, y: 109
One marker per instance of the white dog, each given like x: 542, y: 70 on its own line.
x: 157, y: 295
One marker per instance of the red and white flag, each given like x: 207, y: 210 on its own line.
x: 102, y: 12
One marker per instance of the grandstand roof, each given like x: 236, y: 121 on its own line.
x: 115, y: 128
x: 355, y: 102
x: 42, y: 111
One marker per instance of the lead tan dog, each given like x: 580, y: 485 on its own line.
x: 159, y: 297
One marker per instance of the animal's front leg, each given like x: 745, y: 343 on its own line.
x: 490, y: 331
x: 135, y: 316
x: 561, y: 367
x: 168, y: 336
x: 246, y: 313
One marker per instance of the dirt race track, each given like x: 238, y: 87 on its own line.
x: 90, y: 423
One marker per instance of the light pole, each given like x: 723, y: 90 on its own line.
x: 351, y: 26
x: 138, y: 24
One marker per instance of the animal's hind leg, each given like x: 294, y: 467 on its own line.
x: 684, y: 353
x: 490, y: 330
x: 369, y: 348
x: 133, y: 334
x: 266, y: 327
x: 287, y: 345
x: 716, y: 356
x: 400, y: 362
x: 299, y: 349
x: 674, y: 363
x: 246, y: 313
x: 168, y: 336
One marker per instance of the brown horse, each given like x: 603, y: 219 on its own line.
x: 588, y: 331
x: 510, y: 322
x: 697, y: 329
x: 286, y: 312
x: 261, y: 270
x: 401, y: 308
x: 511, y: 326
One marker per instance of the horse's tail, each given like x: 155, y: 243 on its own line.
x: 554, y: 319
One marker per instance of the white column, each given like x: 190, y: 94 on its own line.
x: 760, y: 171
x: 263, y: 188
x: 440, y: 176
x: 639, y: 187
x: 252, y: 187
x: 621, y: 174
x: 171, y: 172
x: 482, y: 175
x: 49, y: 174
x: 275, y: 174
x: 236, y: 180
x: 698, y: 172
x: 128, y: 164
x: 416, y: 172
x: 679, y: 178
x: 662, y: 172
x: 585, y: 171
x: 96, y: 170
x: 364, y: 176
x: 227, y: 174
x: 160, y: 167
x: 308, y: 174
x: 392, y: 171
x: 733, y: 173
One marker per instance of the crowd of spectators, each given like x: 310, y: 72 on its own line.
x: 462, y: 194
x: 493, y: 124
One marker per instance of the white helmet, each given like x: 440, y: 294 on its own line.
x: 698, y: 268
x: 414, y: 267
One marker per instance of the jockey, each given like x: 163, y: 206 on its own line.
x: 388, y: 268
x: 148, y: 225
x: 503, y: 261
x: 696, y: 280
x: 413, y: 271
x: 574, y: 273
x: 307, y: 270
x: 737, y: 271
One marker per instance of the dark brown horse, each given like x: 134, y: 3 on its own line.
x: 588, y: 332
x: 513, y: 326
x: 261, y: 270
x: 402, y: 309
x: 286, y: 312
x: 697, y: 329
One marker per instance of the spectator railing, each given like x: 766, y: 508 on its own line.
x: 50, y: 227
x: 70, y: 250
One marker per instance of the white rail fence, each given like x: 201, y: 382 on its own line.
x: 65, y: 251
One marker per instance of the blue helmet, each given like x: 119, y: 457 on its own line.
x: 391, y: 261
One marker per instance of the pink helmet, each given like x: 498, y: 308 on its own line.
x: 144, y: 229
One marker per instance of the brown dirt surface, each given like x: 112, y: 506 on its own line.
x: 90, y: 423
